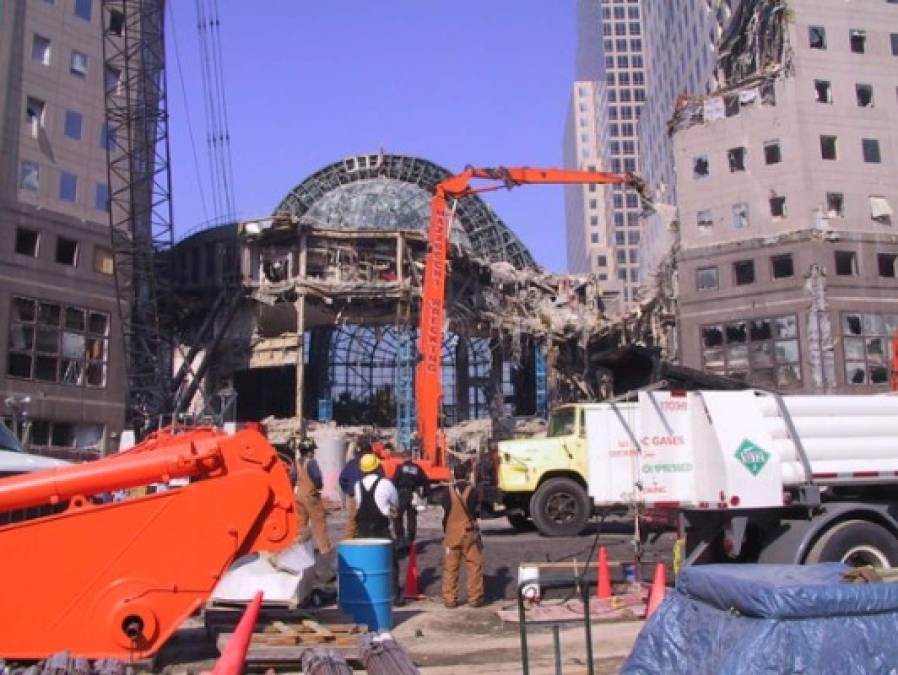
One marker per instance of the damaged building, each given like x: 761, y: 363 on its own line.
x: 785, y: 264
x: 315, y: 309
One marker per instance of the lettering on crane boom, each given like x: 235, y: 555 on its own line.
x: 752, y: 457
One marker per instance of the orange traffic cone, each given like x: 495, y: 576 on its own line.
x: 411, y: 590
x: 233, y: 656
x: 603, y: 588
x: 659, y: 589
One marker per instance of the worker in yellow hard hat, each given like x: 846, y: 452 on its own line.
x: 378, y: 503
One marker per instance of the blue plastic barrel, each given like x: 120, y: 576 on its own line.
x: 365, y: 581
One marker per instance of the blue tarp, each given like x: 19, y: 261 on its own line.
x: 747, y: 619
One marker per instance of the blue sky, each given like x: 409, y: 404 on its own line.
x: 481, y: 82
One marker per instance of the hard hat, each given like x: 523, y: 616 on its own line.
x: 369, y: 463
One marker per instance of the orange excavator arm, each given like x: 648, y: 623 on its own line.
x: 115, y: 580
x: 428, y: 380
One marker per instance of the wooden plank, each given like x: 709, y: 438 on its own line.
x: 318, y: 628
x: 565, y: 565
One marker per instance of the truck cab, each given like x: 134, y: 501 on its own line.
x: 543, y: 479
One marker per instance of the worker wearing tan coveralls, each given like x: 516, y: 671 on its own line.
x: 462, y: 540
x: 309, y: 507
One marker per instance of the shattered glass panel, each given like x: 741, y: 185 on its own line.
x: 737, y: 358
x: 712, y: 336
x: 873, y: 324
x: 378, y: 203
x: 878, y: 374
x: 787, y: 351
x: 761, y: 329
x: 736, y: 332
x: 786, y: 326
x: 876, y: 350
x: 855, y: 372
x: 763, y: 378
x: 854, y: 348
x: 851, y: 324
x: 891, y: 323
x: 762, y: 356
x: 788, y: 376
x: 713, y: 359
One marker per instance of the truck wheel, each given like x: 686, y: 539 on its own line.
x: 856, y: 543
x: 520, y: 522
x: 560, y: 508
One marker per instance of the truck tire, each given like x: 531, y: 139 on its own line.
x: 520, y: 522
x: 560, y: 507
x: 856, y: 543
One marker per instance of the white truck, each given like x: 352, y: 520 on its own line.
x: 754, y: 476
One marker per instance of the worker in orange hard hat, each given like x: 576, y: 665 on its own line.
x: 462, y: 540
x: 309, y: 507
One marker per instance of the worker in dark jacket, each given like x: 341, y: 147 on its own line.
x: 462, y: 540
x: 409, y: 479
x: 349, y: 476
x: 310, y: 509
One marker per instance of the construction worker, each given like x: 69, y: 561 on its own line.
x: 377, y: 504
x: 349, y: 476
x: 409, y: 479
x: 308, y: 497
x: 462, y: 540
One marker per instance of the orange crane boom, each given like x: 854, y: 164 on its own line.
x: 115, y: 580
x: 428, y: 380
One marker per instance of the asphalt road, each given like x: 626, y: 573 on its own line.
x: 505, y: 549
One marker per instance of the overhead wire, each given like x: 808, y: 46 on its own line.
x: 190, y: 134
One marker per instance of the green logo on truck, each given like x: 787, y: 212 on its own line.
x: 752, y: 457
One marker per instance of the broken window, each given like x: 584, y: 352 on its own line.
x: 858, y: 40
x: 772, y: 152
x: 34, y: 115
x: 846, y: 263
x: 740, y: 215
x: 700, y: 167
x: 778, y: 206
x: 886, y: 264
x: 707, y: 279
x: 864, y: 94
x: 817, y: 37
x: 736, y: 157
x: 704, y: 220
x: 824, y: 91
x: 828, y: 147
x: 866, y: 339
x: 782, y: 266
x: 870, y: 147
x: 880, y: 210
x: 29, y: 176
x: 66, y: 251
x: 744, y: 272
x: 731, y: 105
x: 78, y: 64
x: 116, y: 22
x: 40, y: 50
x: 27, y: 241
x: 835, y: 204
x: 764, y: 351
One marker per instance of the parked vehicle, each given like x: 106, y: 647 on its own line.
x: 754, y: 476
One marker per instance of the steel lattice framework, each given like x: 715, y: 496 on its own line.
x: 384, y: 191
x: 140, y: 213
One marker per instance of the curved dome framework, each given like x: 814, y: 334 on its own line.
x: 393, y: 192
